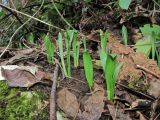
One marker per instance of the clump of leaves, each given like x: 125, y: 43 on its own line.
x: 88, y: 66
x: 60, y: 46
x: 108, y: 62
x: 149, y: 44
x: 49, y: 49
x: 70, y: 37
x: 111, y: 74
x: 75, y: 47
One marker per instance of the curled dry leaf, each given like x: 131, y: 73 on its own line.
x: 19, y: 78
x: 68, y: 102
x: 94, y: 105
x: 22, y: 76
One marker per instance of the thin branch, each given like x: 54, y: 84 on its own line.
x: 148, y: 71
x: 156, y: 3
x: 10, y: 41
x: 32, y: 17
x: 53, y: 95
x: 62, y: 16
x: 12, y: 13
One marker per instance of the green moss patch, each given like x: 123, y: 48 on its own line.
x: 17, y: 104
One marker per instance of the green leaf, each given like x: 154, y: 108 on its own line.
x: 60, y: 46
x: 116, y: 72
x: 148, y: 29
x: 49, y: 49
x: 88, y: 68
x: 124, y: 35
x: 124, y: 4
x: 104, y: 38
x: 109, y: 72
x: 68, y: 38
x: 144, y: 46
x: 103, y: 58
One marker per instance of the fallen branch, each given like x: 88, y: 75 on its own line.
x: 148, y: 71
x: 53, y: 94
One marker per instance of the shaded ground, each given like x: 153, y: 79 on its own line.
x: 137, y: 88
x: 79, y: 103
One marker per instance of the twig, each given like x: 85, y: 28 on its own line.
x: 10, y: 41
x: 53, y: 95
x: 14, y: 14
x: 156, y: 3
x: 136, y: 92
x: 148, y: 71
x: 31, y: 17
x: 61, y: 15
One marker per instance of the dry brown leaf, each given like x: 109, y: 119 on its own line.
x: 118, y: 114
x: 19, y: 78
x: 94, y: 105
x: 24, y: 76
x: 68, y: 102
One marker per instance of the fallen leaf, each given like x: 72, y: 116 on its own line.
x: 94, y: 105
x: 19, y: 78
x: 68, y: 102
x: 22, y: 76
x: 118, y: 114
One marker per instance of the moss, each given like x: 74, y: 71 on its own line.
x: 17, y: 104
x: 137, y: 83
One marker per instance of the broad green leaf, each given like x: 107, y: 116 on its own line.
x: 109, y: 72
x: 103, y: 58
x: 104, y: 38
x: 115, y: 76
x: 68, y: 38
x: 148, y: 29
x: 124, y: 4
x: 156, y: 30
x: 88, y: 68
x: 124, y: 35
x: 60, y: 46
x: 117, y: 70
x: 144, y: 46
x: 49, y: 49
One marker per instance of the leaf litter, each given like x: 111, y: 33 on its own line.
x: 73, y: 99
